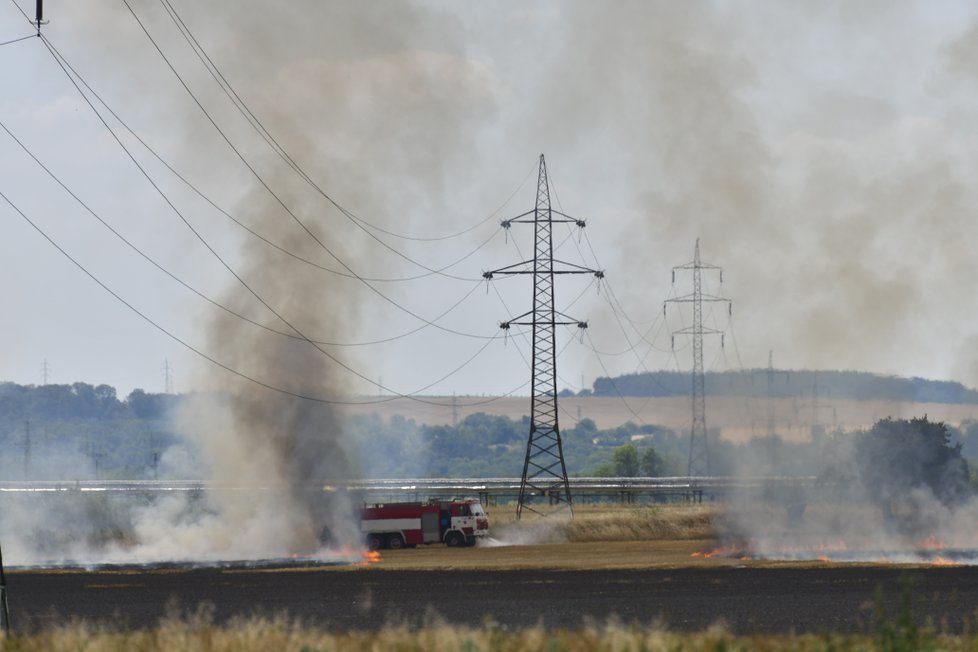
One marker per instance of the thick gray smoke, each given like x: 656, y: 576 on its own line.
x: 898, y: 491
x: 376, y: 105
x: 326, y: 109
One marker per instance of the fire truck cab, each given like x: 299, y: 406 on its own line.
x: 397, y: 525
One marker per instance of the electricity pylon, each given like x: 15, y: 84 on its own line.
x: 544, y: 470
x: 699, y: 450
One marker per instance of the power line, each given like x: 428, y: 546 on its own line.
x: 270, y: 140
x: 218, y: 363
x: 182, y: 178
x: 65, y: 66
x: 18, y: 40
x: 221, y: 306
x: 213, y: 252
x: 348, y: 274
x: 261, y: 180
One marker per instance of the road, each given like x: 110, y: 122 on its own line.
x: 748, y: 600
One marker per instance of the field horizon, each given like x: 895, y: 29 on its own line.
x: 738, y: 418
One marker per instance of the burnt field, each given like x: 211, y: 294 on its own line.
x: 748, y: 599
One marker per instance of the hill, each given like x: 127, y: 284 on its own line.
x: 848, y: 385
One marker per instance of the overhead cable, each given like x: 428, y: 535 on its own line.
x: 278, y: 199
x: 228, y: 368
x: 270, y: 140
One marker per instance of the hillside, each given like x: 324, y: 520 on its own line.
x: 851, y: 385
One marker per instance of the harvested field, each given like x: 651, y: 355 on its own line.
x: 647, y: 578
x: 749, y: 598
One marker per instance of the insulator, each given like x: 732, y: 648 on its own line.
x: 721, y: 276
x: 40, y: 11
x: 730, y: 309
x: 504, y: 325
x: 582, y: 324
x: 673, y: 277
x: 673, y: 342
x: 599, y: 273
x: 722, y: 339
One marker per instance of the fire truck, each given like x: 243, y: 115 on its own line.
x: 399, y: 525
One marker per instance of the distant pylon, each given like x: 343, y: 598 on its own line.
x: 544, y: 471
x: 27, y: 450
x: 699, y: 450
x: 770, y: 394
x: 167, y: 376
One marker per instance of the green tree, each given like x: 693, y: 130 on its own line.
x: 652, y: 463
x: 625, y: 461
x: 897, y: 456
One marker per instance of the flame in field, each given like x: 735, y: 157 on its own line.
x: 931, y: 543
x: 369, y: 557
x: 829, y: 552
x: 725, y: 551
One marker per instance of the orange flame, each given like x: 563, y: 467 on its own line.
x: 931, y: 543
x: 725, y: 551
x: 941, y: 561
x: 369, y: 557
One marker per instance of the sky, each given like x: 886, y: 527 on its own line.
x: 822, y: 153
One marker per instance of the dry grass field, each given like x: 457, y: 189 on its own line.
x: 739, y: 418
x: 263, y: 635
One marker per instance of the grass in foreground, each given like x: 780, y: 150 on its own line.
x: 259, y: 635
x: 900, y: 633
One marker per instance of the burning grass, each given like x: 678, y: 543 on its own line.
x: 199, y: 633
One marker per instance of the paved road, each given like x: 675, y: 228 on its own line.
x: 837, y: 599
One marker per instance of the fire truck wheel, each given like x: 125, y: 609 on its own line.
x: 375, y: 541
x: 395, y: 542
x: 470, y: 541
x: 454, y: 539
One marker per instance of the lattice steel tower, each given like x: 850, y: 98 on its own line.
x: 699, y: 451
x: 544, y: 472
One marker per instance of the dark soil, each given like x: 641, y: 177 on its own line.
x: 748, y: 600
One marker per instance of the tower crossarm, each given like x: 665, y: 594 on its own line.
x: 519, y: 268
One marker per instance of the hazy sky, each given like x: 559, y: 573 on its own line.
x: 824, y: 153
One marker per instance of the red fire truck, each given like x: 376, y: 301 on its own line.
x: 398, y: 525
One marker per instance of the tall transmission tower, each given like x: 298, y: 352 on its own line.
x: 699, y: 451
x: 544, y: 470
x: 167, y: 376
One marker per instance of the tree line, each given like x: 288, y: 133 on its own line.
x: 854, y: 385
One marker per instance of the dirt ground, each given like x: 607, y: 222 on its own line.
x: 565, y: 556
